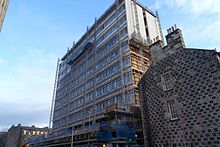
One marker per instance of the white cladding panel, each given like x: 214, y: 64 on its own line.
x: 141, y: 22
x: 152, y: 22
x: 130, y: 17
x: 153, y: 27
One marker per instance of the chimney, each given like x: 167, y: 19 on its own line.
x: 174, y: 38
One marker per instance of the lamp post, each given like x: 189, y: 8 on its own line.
x: 72, y: 138
x: 89, y: 126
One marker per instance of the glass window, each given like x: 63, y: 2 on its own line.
x: 106, y: 23
x: 90, y: 59
x: 127, y: 78
x: 90, y: 71
x: 89, y: 97
x: 126, y: 62
x: 166, y: 81
x: 123, y: 33
x: 108, y: 87
x: 124, y: 46
x: 89, y: 84
x: 122, y: 20
x: 171, y: 106
x: 109, y: 44
x: 108, y: 58
x: 109, y: 71
x: 121, y: 9
x: 106, y: 34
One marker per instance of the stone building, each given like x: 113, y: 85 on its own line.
x: 180, y: 95
x: 18, y: 136
x: 3, y: 137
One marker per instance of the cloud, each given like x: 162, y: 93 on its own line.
x: 24, y: 114
x: 199, y: 20
x: 197, y: 7
x: 26, y: 89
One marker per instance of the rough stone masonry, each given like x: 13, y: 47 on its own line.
x: 180, y: 95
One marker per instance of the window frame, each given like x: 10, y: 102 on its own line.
x: 167, y: 81
x: 172, y: 110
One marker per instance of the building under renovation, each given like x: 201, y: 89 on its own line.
x: 180, y: 95
x: 96, y: 94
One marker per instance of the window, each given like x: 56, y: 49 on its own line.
x: 126, y: 62
x: 166, y: 81
x: 68, y: 69
x: 109, y: 71
x: 89, y: 84
x: 124, y: 46
x: 113, y: 85
x: 89, y: 97
x: 108, y: 58
x: 127, y: 78
x: 108, y: 45
x: 123, y: 33
x: 106, y: 34
x: 89, y: 71
x: 24, y: 132
x: 171, y: 106
x: 121, y: 9
x: 90, y: 59
x: 106, y: 23
x: 122, y: 21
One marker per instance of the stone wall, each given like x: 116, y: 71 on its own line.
x: 13, y: 137
x: 3, y: 138
x: 195, y: 80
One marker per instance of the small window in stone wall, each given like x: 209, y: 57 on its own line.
x: 218, y: 95
x: 171, y: 106
x: 166, y: 81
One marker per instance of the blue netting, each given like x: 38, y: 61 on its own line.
x: 125, y: 132
x: 131, y: 135
x: 121, y: 132
x: 104, y: 125
x: 36, y: 139
x: 104, y: 136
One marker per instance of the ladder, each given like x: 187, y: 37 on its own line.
x: 54, y: 95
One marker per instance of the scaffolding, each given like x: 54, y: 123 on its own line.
x: 117, y: 125
x: 54, y: 94
x: 140, y: 61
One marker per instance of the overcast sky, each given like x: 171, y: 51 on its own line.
x: 37, y: 32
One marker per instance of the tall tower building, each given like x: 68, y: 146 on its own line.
x: 97, y: 100
x: 3, y: 9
